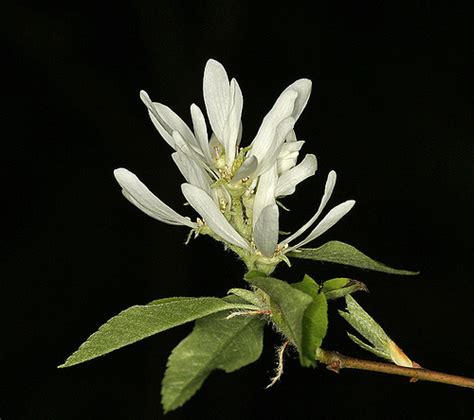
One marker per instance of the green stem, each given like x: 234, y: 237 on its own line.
x: 335, y: 361
x: 238, y: 217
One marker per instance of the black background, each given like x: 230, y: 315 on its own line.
x: 390, y: 112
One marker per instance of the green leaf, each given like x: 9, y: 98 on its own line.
x: 215, y: 343
x: 341, y: 253
x: 142, y: 321
x: 315, y: 321
x: 247, y: 295
x: 381, y: 344
x: 365, y: 325
x: 288, y: 306
x: 340, y: 287
x: 374, y: 350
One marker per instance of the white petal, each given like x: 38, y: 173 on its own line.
x: 239, y: 136
x: 155, y: 119
x: 192, y: 172
x: 139, y: 195
x: 181, y: 145
x: 271, y: 156
x: 265, y: 232
x: 168, y: 138
x: 328, y: 189
x: 166, y: 121
x: 290, y: 179
x: 290, y: 147
x: 211, y: 214
x: 232, y: 126
x: 265, y: 194
x: 303, y: 87
x: 289, y: 154
x: 288, y: 162
x: 336, y: 214
x: 291, y: 137
x: 200, y: 131
x: 247, y: 169
x: 283, y: 108
x: 217, y: 98
x: 172, y: 122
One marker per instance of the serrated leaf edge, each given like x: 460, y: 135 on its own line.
x: 153, y: 303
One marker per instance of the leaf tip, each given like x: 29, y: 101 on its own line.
x: 67, y: 363
x: 167, y: 407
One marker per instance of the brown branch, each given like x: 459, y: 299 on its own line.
x: 335, y: 361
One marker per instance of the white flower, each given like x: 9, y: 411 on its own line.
x: 234, y: 189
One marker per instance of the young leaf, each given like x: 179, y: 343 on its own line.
x: 381, y: 344
x: 334, y: 284
x: 341, y: 253
x: 141, y: 321
x: 364, y: 324
x: 247, y: 295
x: 340, y: 287
x: 215, y: 343
x: 288, y: 306
x: 315, y: 321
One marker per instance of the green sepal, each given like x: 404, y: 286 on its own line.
x: 142, y: 321
x: 288, y: 306
x: 315, y: 321
x: 341, y: 253
x: 214, y: 343
x: 340, y: 287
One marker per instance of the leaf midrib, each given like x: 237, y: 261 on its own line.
x: 86, y: 345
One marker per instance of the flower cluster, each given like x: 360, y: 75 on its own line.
x: 235, y: 189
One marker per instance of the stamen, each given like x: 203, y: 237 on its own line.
x: 188, y: 239
x: 281, y: 247
x: 223, y: 204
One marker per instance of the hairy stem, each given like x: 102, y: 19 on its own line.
x: 335, y: 361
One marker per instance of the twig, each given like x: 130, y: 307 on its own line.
x: 335, y: 361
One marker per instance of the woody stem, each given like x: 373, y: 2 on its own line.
x: 335, y: 361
